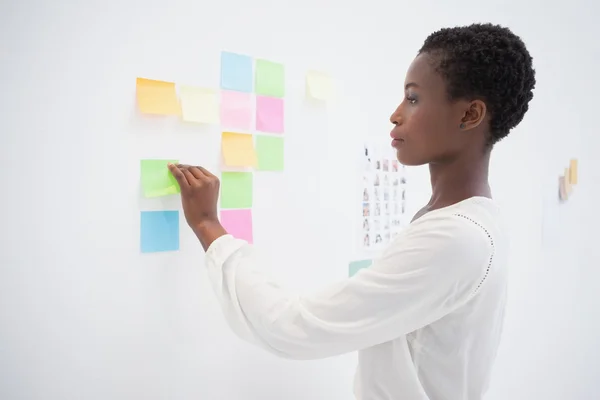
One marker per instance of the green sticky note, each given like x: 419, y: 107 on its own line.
x: 157, y: 180
x: 356, y: 266
x: 269, y: 78
x: 236, y: 190
x: 269, y: 150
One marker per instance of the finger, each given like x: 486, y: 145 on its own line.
x: 179, y: 176
x: 190, y: 178
x: 197, y: 173
x: 206, y: 172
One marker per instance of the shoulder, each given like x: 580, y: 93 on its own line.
x: 457, y: 240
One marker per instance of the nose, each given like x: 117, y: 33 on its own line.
x: 396, y: 117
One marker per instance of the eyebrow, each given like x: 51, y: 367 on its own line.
x: 409, y: 84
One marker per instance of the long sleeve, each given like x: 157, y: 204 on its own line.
x: 434, y: 268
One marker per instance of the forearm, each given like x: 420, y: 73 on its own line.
x: 208, y: 231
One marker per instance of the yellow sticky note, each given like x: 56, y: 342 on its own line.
x: 567, y: 180
x: 238, y: 150
x: 157, y: 97
x: 573, y: 171
x: 319, y: 85
x: 199, y: 104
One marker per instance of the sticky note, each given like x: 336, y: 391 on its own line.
x: 573, y: 171
x: 356, y: 266
x: 319, y: 85
x: 236, y: 110
x: 157, y: 97
x: 159, y: 231
x: 236, y: 72
x: 269, y: 151
x: 562, y: 189
x: 238, y: 223
x: 156, y: 178
x: 199, y: 104
x: 236, y: 190
x: 269, y: 114
x: 238, y: 149
x: 270, y: 79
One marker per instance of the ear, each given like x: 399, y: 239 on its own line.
x: 473, y: 115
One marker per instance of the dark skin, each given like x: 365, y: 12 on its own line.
x: 450, y: 136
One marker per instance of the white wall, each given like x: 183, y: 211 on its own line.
x: 83, y: 315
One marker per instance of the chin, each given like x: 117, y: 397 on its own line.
x: 408, y: 159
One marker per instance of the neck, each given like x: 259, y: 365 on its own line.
x: 459, y: 179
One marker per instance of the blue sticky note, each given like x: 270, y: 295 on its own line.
x: 356, y: 266
x: 236, y: 72
x: 159, y: 231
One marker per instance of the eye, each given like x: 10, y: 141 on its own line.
x: 411, y: 99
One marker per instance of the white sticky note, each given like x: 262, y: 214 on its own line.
x: 319, y: 85
x: 199, y: 104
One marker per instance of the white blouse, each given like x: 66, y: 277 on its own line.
x: 425, y: 317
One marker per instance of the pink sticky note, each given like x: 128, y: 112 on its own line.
x: 238, y: 223
x: 236, y: 110
x: 269, y: 114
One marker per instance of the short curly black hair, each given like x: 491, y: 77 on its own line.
x: 486, y: 62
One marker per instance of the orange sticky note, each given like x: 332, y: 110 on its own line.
x: 573, y: 171
x: 157, y: 97
x: 238, y: 150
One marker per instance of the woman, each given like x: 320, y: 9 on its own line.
x: 426, y: 317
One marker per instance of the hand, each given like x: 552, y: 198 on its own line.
x: 199, y: 196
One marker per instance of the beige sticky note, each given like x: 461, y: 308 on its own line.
x: 573, y: 171
x: 157, y: 97
x: 199, y: 104
x: 238, y: 150
x: 319, y: 85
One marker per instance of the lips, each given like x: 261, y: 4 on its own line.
x: 397, y: 143
x: 395, y: 135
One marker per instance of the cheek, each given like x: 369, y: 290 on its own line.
x: 427, y: 124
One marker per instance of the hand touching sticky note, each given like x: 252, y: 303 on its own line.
x: 157, y: 97
x: 238, y: 149
x: 157, y: 180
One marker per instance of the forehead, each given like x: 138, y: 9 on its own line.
x: 421, y: 71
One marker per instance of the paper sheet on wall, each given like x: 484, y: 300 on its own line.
x: 157, y: 97
x: 156, y: 178
x: 199, y: 104
x: 238, y: 150
x: 384, y: 193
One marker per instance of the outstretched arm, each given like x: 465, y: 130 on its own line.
x: 425, y: 274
